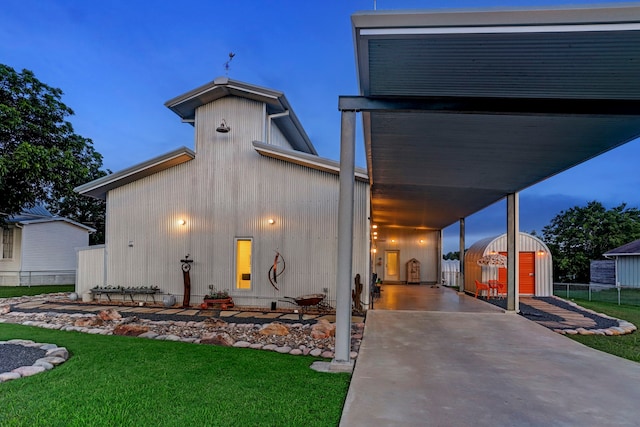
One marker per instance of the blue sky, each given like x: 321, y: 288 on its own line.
x: 119, y: 61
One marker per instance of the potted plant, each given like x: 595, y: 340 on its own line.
x: 217, y: 299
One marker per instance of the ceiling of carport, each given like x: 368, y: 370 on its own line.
x: 463, y: 108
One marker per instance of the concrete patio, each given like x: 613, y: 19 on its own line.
x: 441, y: 364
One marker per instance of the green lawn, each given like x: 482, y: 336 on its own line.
x: 627, y: 296
x: 627, y: 346
x: 124, y: 381
x: 18, y: 291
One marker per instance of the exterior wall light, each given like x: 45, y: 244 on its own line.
x: 374, y: 250
x: 223, y: 128
x: 374, y: 226
x: 182, y: 222
x: 271, y: 221
x: 541, y: 252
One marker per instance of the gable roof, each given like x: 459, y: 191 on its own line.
x: 632, y: 248
x: 39, y: 214
x: 185, y: 106
x: 98, y: 188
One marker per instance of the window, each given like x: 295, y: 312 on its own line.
x: 243, y: 263
x: 7, y: 243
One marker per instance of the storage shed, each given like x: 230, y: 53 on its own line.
x: 536, y: 267
x: 627, y: 258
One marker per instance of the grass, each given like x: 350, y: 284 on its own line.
x: 18, y: 291
x: 627, y: 296
x: 124, y: 381
x: 626, y: 346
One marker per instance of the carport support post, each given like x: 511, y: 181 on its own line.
x: 513, y: 250
x: 345, y: 239
x: 461, y: 257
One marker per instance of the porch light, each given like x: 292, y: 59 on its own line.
x: 271, y: 221
x: 541, y: 252
x: 374, y: 250
x: 182, y: 222
x: 421, y: 241
x: 223, y: 128
x: 374, y: 226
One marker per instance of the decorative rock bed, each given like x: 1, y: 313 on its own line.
x: 42, y: 357
x: 296, y: 339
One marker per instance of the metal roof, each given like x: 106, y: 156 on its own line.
x: 185, y: 106
x: 305, y: 160
x: 98, y: 188
x: 632, y: 248
x: 462, y: 107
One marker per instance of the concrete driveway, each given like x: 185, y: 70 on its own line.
x: 456, y: 368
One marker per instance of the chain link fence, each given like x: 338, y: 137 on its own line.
x: 598, y: 292
x: 37, y: 278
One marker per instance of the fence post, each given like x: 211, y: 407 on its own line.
x: 589, y: 291
x: 618, y: 286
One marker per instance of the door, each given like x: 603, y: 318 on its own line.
x: 527, y: 274
x: 392, y: 266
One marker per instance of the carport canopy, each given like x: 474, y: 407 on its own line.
x: 462, y: 108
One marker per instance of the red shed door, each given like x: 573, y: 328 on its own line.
x: 527, y: 273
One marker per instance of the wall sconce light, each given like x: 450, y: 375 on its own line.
x: 374, y: 250
x: 541, y: 252
x: 182, y: 222
x: 374, y: 226
x: 271, y: 221
x: 375, y: 233
x: 223, y: 128
x: 375, y: 237
x: 421, y: 241
x: 393, y: 240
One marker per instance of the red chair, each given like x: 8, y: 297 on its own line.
x: 500, y: 288
x: 483, y: 286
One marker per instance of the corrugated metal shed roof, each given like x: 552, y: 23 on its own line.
x: 461, y: 108
x: 632, y: 248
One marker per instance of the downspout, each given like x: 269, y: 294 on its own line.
x: 273, y: 116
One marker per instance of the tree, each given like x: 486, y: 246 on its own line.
x: 581, y: 234
x: 41, y: 158
x: 452, y: 255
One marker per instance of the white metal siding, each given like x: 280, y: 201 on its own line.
x: 407, y: 241
x: 277, y: 138
x: 50, y: 246
x: 528, y: 243
x: 628, y: 271
x: 230, y: 191
x: 90, y: 268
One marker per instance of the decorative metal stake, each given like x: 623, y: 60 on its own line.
x: 186, y: 267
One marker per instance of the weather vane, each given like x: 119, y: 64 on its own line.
x: 226, y: 64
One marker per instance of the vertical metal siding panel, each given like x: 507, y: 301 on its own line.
x: 277, y: 137
x: 629, y: 271
x: 90, y: 268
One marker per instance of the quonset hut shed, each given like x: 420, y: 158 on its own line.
x: 535, y: 264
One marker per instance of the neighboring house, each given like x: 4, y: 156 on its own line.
x: 627, y: 264
x: 535, y: 266
x: 38, y: 248
x: 254, y: 187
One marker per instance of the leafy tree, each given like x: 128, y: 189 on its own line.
x: 41, y: 158
x: 581, y: 234
x: 452, y: 255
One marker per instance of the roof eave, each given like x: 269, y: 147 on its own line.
x: 99, y: 188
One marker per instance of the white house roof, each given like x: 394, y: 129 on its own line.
x: 185, y: 106
x: 463, y: 107
x: 306, y: 160
x: 39, y: 215
x: 98, y: 188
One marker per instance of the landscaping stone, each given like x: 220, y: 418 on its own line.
x: 223, y: 339
x: 27, y: 371
x: 89, y: 321
x: 110, y: 314
x: 130, y: 330
x: 4, y: 309
x: 274, y: 329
